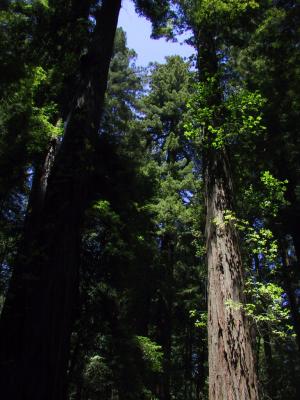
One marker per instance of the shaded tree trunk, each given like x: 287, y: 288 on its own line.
x: 269, y: 365
x: 167, y: 328
x: 38, y: 191
x: 165, y: 313
x: 296, y: 240
x: 201, y: 370
x: 36, y: 322
x: 287, y: 271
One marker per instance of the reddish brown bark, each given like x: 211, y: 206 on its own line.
x: 232, y: 373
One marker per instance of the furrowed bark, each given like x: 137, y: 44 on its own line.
x: 36, y: 322
x: 232, y: 373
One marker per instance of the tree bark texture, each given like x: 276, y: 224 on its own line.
x: 232, y: 373
x: 38, y: 191
x: 36, y: 322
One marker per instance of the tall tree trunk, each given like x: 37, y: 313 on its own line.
x: 201, y: 369
x: 287, y: 272
x: 36, y: 322
x: 166, y: 300
x: 269, y: 364
x: 167, y: 330
x: 296, y: 241
x: 232, y: 374
x: 165, y: 313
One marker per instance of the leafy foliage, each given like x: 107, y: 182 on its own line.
x: 243, y: 116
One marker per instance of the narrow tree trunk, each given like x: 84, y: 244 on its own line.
x: 78, y: 394
x: 36, y: 322
x: 269, y: 365
x: 166, y: 310
x: 167, y: 333
x: 232, y: 373
x: 202, y: 369
x: 187, y: 361
x: 296, y: 242
x: 287, y: 270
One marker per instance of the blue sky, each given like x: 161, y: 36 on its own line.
x: 138, y: 31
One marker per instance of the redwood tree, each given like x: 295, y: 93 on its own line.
x: 232, y: 373
x: 37, y: 317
